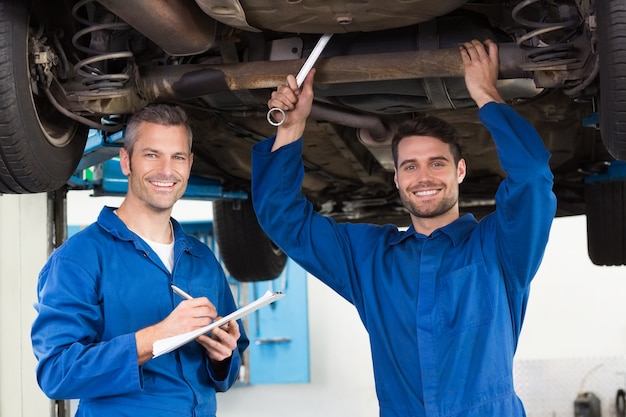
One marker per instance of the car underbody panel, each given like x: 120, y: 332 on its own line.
x: 93, y: 63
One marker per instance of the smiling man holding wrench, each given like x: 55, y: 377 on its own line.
x: 444, y: 301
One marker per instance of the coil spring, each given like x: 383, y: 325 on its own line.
x: 544, y: 50
x: 92, y: 69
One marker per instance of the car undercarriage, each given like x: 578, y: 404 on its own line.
x: 81, y: 66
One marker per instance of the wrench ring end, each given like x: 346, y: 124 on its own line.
x: 272, y: 120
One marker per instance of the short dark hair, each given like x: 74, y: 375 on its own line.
x: 162, y: 114
x: 425, y: 125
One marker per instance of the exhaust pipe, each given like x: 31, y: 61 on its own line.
x: 189, y: 81
x: 182, y: 28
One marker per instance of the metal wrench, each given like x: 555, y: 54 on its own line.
x: 308, y: 64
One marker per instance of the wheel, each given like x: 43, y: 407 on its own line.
x: 611, y: 19
x: 606, y: 222
x: 39, y: 147
x: 248, y: 254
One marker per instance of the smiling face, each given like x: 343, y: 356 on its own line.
x: 158, y: 167
x: 428, y: 179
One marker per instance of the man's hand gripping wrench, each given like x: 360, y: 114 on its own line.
x: 308, y: 64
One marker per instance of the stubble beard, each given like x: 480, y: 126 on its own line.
x: 425, y: 210
x: 152, y: 199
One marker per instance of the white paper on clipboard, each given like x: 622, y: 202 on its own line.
x: 163, y: 346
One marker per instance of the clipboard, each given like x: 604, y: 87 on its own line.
x: 163, y: 346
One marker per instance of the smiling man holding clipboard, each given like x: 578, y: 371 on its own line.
x: 105, y: 296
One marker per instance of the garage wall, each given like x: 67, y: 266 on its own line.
x: 574, y: 335
x: 576, y: 309
x: 23, y: 251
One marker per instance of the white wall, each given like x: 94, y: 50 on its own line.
x: 576, y: 309
x: 83, y: 209
x: 574, y: 336
x: 24, y: 250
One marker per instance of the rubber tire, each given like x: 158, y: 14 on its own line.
x: 606, y: 222
x: 248, y: 254
x: 39, y: 147
x: 611, y: 20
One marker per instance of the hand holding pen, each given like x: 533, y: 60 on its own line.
x: 223, y: 340
x: 186, y: 296
x: 191, y: 314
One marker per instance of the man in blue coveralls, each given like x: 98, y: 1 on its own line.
x: 443, y: 302
x: 104, y: 296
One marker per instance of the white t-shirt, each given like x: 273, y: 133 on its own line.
x: 165, y: 252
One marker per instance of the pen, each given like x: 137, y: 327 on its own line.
x: 181, y: 292
x: 186, y: 296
